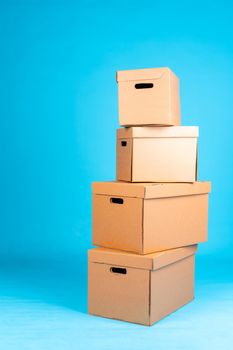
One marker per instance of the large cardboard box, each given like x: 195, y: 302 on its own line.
x: 146, y: 218
x: 157, y: 154
x: 148, y: 97
x: 140, y: 289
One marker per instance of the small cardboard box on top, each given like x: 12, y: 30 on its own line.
x: 139, y: 289
x: 148, y: 97
x: 146, y: 218
x: 157, y: 154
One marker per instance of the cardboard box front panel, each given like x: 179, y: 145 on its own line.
x: 122, y: 295
x: 139, y: 295
x: 149, y: 225
x: 117, y: 222
x: 150, y: 101
x: 157, y: 159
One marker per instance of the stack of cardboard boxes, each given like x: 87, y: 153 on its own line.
x: 149, y: 221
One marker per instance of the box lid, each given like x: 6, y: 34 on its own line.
x: 157, y: 131
x: 141, y: 74
x: 151, y: 261
x: 150, y: 190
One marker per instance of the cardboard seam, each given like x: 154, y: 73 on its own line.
x: 150, y: 272
x: 131, y: 162
x: 196, y: 161
x: 142, y: 225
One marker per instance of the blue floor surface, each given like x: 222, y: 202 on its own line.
x: 44, y: 306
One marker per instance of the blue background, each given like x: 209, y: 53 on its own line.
x: 58, y: 108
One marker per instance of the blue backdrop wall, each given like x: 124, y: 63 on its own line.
x: 58, y: 109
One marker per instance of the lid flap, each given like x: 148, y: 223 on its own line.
x: 141, y: 74
x: 157, y: 131
x: 150, y: 190
x: 152, y: 261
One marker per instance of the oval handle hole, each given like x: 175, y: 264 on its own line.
x: 117, y: 200
x: 144, y: 86
x: 121, y: 270
x: 123, y: 143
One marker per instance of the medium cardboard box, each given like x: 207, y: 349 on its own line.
x: 148, y: 97
x: 157, y: 154
x: 140, y: 289
x: 146, y: 218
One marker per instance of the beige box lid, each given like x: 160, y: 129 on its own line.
x: 151, y: 261
x: 157, y: 131
x: 150, y: 190
x: 141, y: 74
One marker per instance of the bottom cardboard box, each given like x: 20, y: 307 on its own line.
x: 139, y: 289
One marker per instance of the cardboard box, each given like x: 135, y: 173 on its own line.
x: 146, y: 218
x: 157, y: 154
x: 140, y: 289
x: 148, y: 97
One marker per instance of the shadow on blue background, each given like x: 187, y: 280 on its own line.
x: 58, y: 104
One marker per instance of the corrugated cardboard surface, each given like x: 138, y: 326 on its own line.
x: 151, y: 224
x: 139, y: 295
x: 123, y: 297
x: 117, y: 225
x: 158, y: 105
x: 141, y: 74
x: 174, y: 222
x: 157, y: 131
x: 151, y: 261
x: 124, y: 159
x: 162, y: 160
x: 150, y: 190
x: 171, y: 288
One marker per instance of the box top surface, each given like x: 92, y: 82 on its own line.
x: 157, y: 131
x: 142, y: 74
x: 150, y: 190
x: 151, y: 261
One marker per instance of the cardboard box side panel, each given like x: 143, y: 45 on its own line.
x: 174, y: 222
x: 117, y: 222
x: 164, y: 160
x: 124, y: 159
x: 171, y: 287
x: 175, y: 99
x: 197, y: 162
x: 118, y: 296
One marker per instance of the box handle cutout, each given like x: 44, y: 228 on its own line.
x: 144, y: 86
x: 123, y: 143
x: 117, y: 200
x: 120, y: 270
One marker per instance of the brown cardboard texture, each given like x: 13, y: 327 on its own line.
x: 139, y: 289
x: 148, y: 97
x: 149, y: 217
x: 157, y: 154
